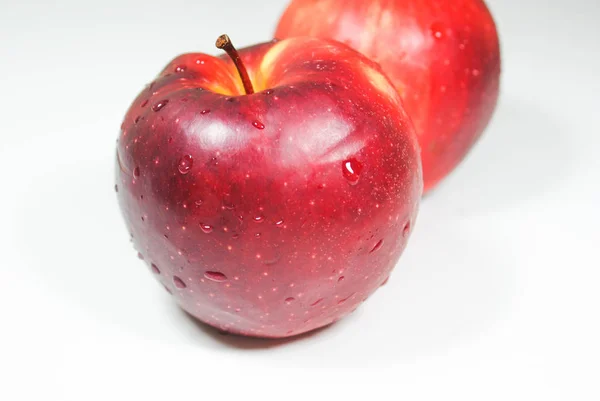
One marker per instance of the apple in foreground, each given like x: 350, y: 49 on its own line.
x: 443, y: 58
x: 271, y: 191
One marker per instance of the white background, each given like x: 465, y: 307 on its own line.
x: 496, y: 298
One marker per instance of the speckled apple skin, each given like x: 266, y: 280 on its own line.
x: 443, y: 57
x: 275, y: 213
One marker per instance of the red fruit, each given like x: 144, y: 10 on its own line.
x: 250, y: 208
x: 442, y: 56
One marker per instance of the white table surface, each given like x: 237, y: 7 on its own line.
x: 496, y: 298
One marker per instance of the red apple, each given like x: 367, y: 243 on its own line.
x: 442, y: 56
x: 276, y: 212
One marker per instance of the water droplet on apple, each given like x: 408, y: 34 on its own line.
x: 259, y: 219
x: 158, y: 106
x: 341, y: 279
x: 406, y: 229
x: 185, y: 164
x: 205, y: 111
x: 289, y: 300
x: 144, y: 103
x: 180, y: 68
x: 155, y: 269
x: 341, y: 301
x: 352, y: 169
x: 438, y: 30
x: 199, y: 202
x: 178, y: 282
x: 137, y: 119
x: 206, y: 228
x: 140, y: 256
x: 385, y: 281
x: 475, y: 72
x: 258, y: 124
x: 279, y: 223
x: 269, y: 91
x: 136, y: 172
x: 215, y: 276
x: 228, y: 204
x: 318, y: 301
x: 377, y: 246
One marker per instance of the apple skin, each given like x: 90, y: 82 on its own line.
x: 443, y: 57
x: 274, y: 213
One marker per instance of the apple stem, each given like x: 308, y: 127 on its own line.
x: 224, y: 43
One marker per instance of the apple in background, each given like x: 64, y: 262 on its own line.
x: 442, y: 56
x: 271, y: 194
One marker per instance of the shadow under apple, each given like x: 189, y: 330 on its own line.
x: 436, y: 299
